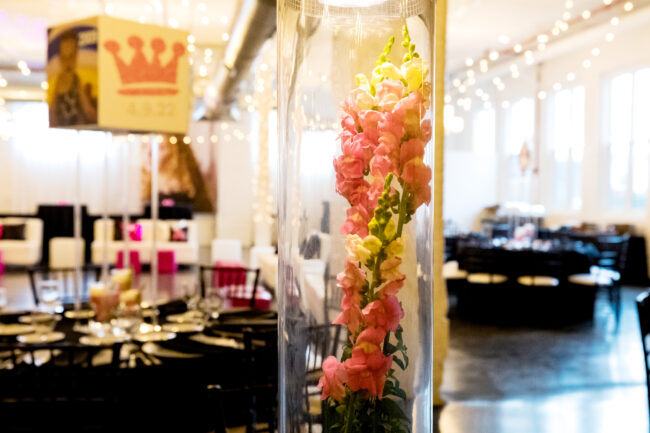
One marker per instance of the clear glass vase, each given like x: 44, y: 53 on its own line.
x: 355, y: 215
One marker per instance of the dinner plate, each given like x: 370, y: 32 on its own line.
x: 48, y: 337
x: 104, y: 340
x: 190, y: 316
x: 81, y: 314
x: 38, y: 317
x: 15, y: 329
x: 182, y: 328
x: 154, y: 336
x: 159, y: 351
x: 217, y: 341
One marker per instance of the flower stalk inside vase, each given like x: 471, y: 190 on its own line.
x: 384, y: 178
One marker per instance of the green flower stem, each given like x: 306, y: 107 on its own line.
x: 348, y: 416
x: 402, y: 212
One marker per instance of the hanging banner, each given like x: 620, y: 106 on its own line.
x: 113, y: 74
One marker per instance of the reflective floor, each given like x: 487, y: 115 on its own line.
x: 586, y: 378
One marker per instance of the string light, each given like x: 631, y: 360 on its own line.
x: 44, y: 85
x: 3, y: 82
x: 541, y: 95
x: 566, y: 16
x: 518, y: 48
x: 494, y: 55
x: 504, y: 40
x: 173, y: 139
x: 225, y: 36
x: 200, y: 139
x: 628, y: 6
x: 609, y: 37
x: 607, y: 2
x: 614, y: 21
x: 483, y: 65
x: 557, y: 86
x: 191, y: 39
x: 586, y: 15
x: 542, y: 39
x: 595, y: 52
x: 214, y: 138
x: 469, y: 62
x: 586, y: 63
x: 571, y: 76
x: 187, y: 139
x: 568, y: 4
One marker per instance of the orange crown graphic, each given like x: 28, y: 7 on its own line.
x: 141, y: 71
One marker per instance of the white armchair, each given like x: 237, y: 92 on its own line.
x: 25, y: 252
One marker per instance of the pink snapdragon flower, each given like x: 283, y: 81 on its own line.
x: 384, y: 313
x: 388, y: 93
x: 368, y: 366
x: 332, y: 383
x: 357, y: 221
x: 417, y: 176
x: 389, y: 269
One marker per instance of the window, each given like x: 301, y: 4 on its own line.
x: 484, y: 132
x: 519, y: 130
x: 567, y: 141
x: 627, y: 138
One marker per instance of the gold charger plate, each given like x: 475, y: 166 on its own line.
x: 48, y: 337
x: 105, y: 340
x: 15, y: 329
x: 154, y: 349
x: 182, y: 328
x: 154, y: 336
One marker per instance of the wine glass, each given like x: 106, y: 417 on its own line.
x: 191, y: 295
x: 49, y: 293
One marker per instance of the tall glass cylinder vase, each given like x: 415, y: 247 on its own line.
x: 355, y: 110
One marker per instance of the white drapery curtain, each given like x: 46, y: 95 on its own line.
x: 40, y: 165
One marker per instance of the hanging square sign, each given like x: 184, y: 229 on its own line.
x: 112, y: 74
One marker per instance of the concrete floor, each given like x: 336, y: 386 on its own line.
x: 587, y: 378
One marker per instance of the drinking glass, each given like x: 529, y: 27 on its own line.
x: 4, y: 299
x: 49, y: 295
x: 191, y: 295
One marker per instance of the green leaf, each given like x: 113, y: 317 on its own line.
x: 399, y: 362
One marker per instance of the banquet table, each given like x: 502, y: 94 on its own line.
x: 511, y: 302
x: 170, y: 379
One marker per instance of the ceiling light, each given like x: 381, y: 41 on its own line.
x: 225, y: 37
x: 517, y: 48
x: 541, y: 95
x: 609, y: 37
x: 586, y: 15
x: 557, y: 86
x: 595, y: 52
x: 628, y: 6
x: 614, y: 21
x: 586, y: 64
x: 494, y: 55
x: 570, y: 76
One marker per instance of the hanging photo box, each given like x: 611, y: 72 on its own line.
x: 113, y: 74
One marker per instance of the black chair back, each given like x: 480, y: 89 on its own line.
x: 613, y: 252
x: 219, y: 277
x: 66, y: 277
x: 643, y: 308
